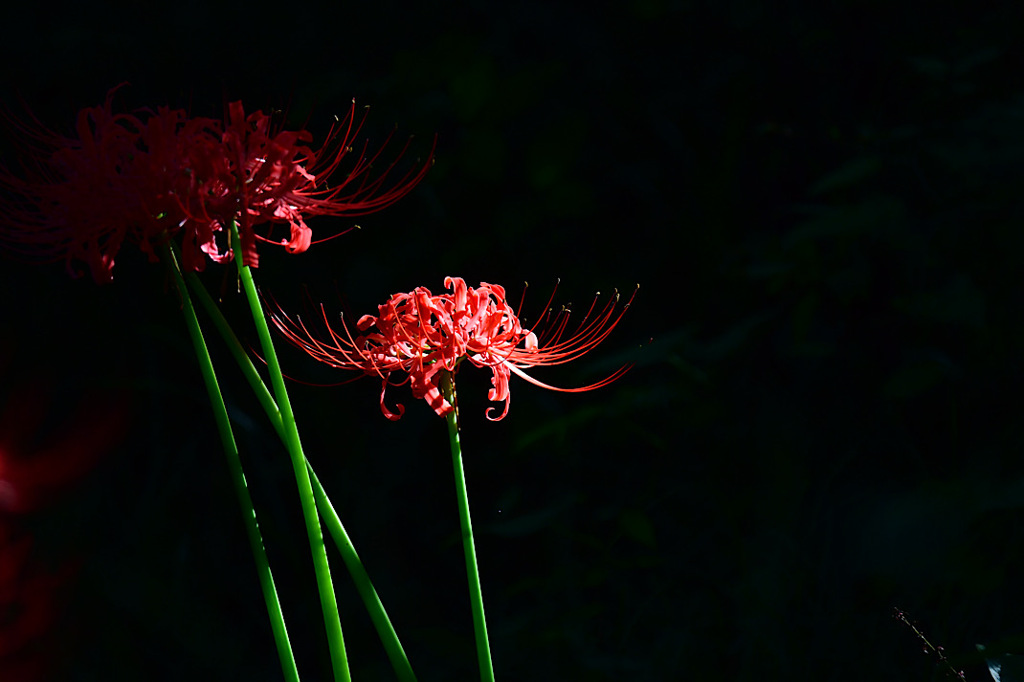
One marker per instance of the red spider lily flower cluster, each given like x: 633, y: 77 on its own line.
x: 147, y: 176
x: 420, y: 336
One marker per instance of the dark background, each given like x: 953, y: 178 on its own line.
x: 820, y: 202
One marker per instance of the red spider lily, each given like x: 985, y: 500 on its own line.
x: 80, y: 200
x: 142, y: 178
x: 254, y: 175
x: 422, y: 335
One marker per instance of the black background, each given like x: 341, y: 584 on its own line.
x: 820, y: 202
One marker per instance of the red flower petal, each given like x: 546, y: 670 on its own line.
x: 421, y: 336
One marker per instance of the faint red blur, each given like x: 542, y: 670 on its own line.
x: 44, y: 451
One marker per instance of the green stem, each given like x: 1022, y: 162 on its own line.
x: 227, y: 438
x: 388, y: 636
x: 476, y: 598
x: 328, y: 602
x: 239, y: 354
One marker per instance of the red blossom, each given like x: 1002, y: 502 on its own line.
x: 79, y: 200
x: 144, y: 177
x: 256, y: 175
x: 421, y: 336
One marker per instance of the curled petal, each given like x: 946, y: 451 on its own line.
x: 489, y: 410
x: 393, y: 416
x: 458, y: 287
x: 301, y: 237
x: 500, y: 392
x: 499, y: 381
x: 436, y: 401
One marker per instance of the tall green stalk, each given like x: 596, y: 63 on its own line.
x: 476, y: 598
x: 328, y: 602
x: 388, y: 636
x: 284, y: 650
x: 386, y: 632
